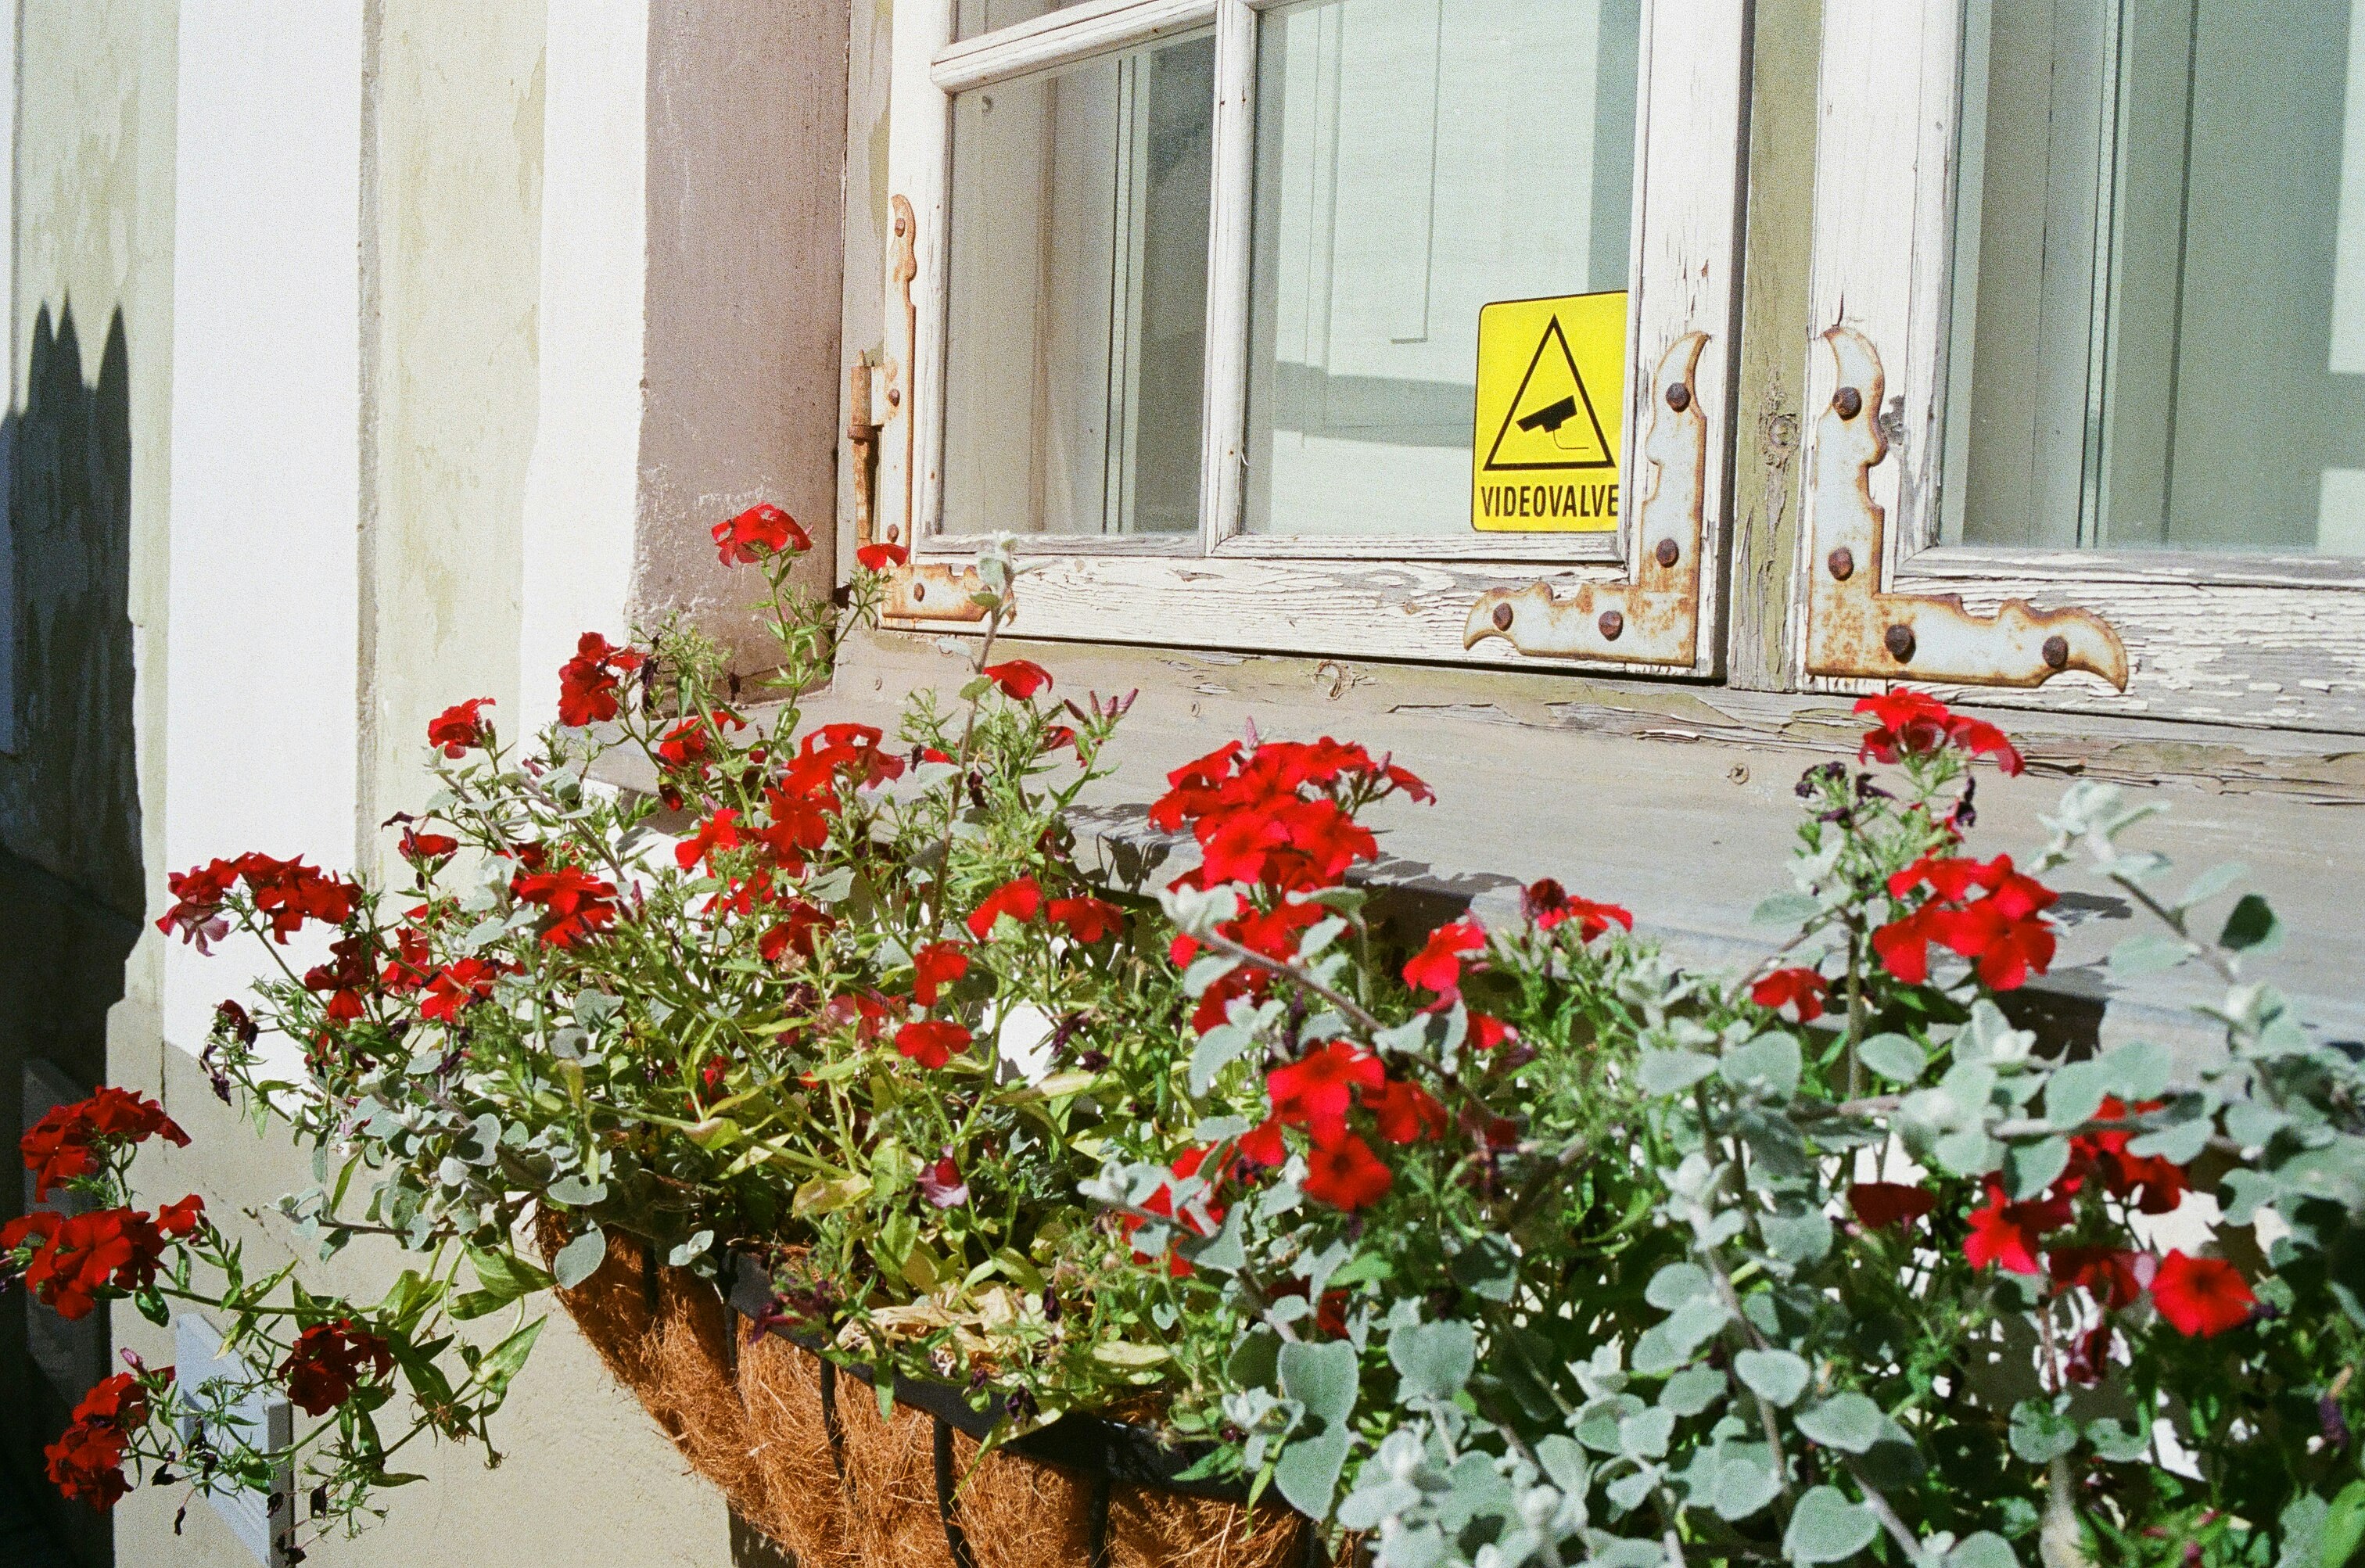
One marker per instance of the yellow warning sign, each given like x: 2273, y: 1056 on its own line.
x: 1551, y: 400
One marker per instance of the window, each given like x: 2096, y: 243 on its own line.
x: 1194, y: 294
x: 2117, y: 310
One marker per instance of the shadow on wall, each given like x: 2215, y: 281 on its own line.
x: 71, y: 886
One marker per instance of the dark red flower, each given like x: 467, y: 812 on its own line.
x: 428, y: 849
x: 1796, y: 994
x: 460, y: 727
x: 575, y: 904
x: 289, y: 892
x: 931, y: 1042
x: 86, y: 1463
x: 1346, y: 1174
x: 589, y: 683
x: 2107, y: 1273
x: 881, y: 557
x: 197, y: 897
x: 71, y: 1142
x: 2156, y: 1184
x: 941, y: 1184
x: 2012, y: 1234
x: 1878, y: 1204
x: 2201, y: 1297
x: 330, y: 1361
x: 1548, y: 904
x: 935, y: 966
x: 1913, y: 724
x: 1438, y: 966
x: 75, y: 1257
x: 762, y: 530
x: 1021, y: 900
x: 1087, y: 919
x: 800, y: 929
x: 1019, y: 679
x: 351, y: 970
x: 1405, y: 1113
x: 456, y: 986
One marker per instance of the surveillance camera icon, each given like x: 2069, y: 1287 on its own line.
x: 1550, y: 419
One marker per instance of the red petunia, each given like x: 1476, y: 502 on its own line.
x: 1019, y: 679
x: 2154, y: 1183
x: 2002, y: 930
x: 717, y: 833
x: 1405, y: 1113
x: 589, y: 683
x: 762, y: 530
x: 1913, y: 724
x: 1346, y: 1174
x: 942, y: 1184
x: 1438, y: 966
x: 931, y: 1042
x: 1796, y: 994
x: 575, y: 904
x: 935, y: 966
x: 1316, y: 1089
x: 799, y: 930
x: 1021, y: 900
x: 428, y: 849
x: 330, y: 1361
x: 1879, y: 1205
x: 881, y: 557
x: 457, y: 986
x: 1087, y: 919
x: 460, y: 727
x: 1548, y: 904
x: 2201, y: 1297
x: 2012, y: 1234
x: 2108, y: 1273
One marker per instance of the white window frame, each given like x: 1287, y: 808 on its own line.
x: 1379, y: 597
x: 2268, y: 641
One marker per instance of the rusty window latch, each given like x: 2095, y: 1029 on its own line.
x: 1654, y: 617
x: 1856, y: 628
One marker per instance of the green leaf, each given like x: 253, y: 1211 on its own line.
x: 1850, y: 1422
x: 2149, y: 953
x: 1308, y: 1473
x: 1663, y: 1073
x: 2137, y: 1071
x: 1644, y: 1436
x: 506, y: 1360
x: 1985, y: 1550
x: 2030, y: 1168
x: 1487, y: 1267
x: 1435, y: 1360
x: 1323, y: 1379
x: 2344, y: 1527
x: 2040, y: 1434
x: 1797, y: 1238
x: 505, y: 1276
x: 1692, y: 1391
x: 1778, y: 1377
x: 1743, y: 1487
x: 1827, y: 1527
x: 681, y: 1255
x: 2211, y: 882
x: 1675, y: 1284
x: 2252, y: 927
x: 1217, y: 1050
x: 574, y: 1193
x: 2075, y: 1092
x: 1767, y: 1065
x: 2179, y: 1142
x: 1893, y: 1057
x: 580, y: 1259
x: 1785, y: 909
x: 2116, y: 1443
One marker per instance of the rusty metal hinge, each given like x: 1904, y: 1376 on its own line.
x: 919, y: 590
x: 1653, y: 618
x: 1856, y: 628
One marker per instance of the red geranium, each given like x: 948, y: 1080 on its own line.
x: 879, y: 557
x: 2003, y: 931
x: 2200, y: 1296
x: 329, y: 1361
x: 197, y: 896
x: 456, y: 986
x: 289, y: 892
x: 1087, y: 919
x: 589, y: 683
x: 1796, y: 994
x: 1280, y: 818
x: 931, y: 1042
x: 460, y: 727
x: 1548, y: 904
x: 1879, y: 1205
x: 762, y: 530
x: 1346, y: 1174
x: 72, y: 1141
x: 1438, y: 966
x: 1316, y: 1089
x: 350, y: 972
x: 77, y: 1256
x: 1021, y: 900
x: 935, y: 966
x: 1019, y: 679
x: 1914, y: 723
x: 2013, y: 1234
x: 1405, y: 1113
x: 717, y: 833
x: 576, y: 903
x: 86, y: 1461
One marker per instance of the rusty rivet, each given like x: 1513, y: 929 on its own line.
x: 1502, y: 618
x: 1848, y: 401
x: 1899, y: 642
x: 1612, y: 625
x: 894, y: 398
x: 1842, y: 562
x: 1668, y: 553
x: 919, y: 590
x: 2056, y: 652
x: 1679, y: 397
x: 895, y: 532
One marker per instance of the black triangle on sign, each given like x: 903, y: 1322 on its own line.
x: 1553, y: 334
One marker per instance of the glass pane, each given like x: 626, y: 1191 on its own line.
x: 976, y: 17
x: 2158, y: 333
x: 1406, y: 177
x: 1078, y: 324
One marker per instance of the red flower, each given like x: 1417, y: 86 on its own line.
x: 1346, y: 1174
x: 425, y: 849
x: 72, y: 1141
x: 2003, y: 931
x: 1021, y: 901
x: 1913, y: 724
x: 879, y: 557
x: 1438, y: 966
x: 1282, y: 817
x: 1087, y: 920
x: 1316, y: 1089
x: 1548, y: 904
x: 329, y: 1361
x: 942, y: 1184
x: 1405, y: 1113
x: 2153, y: 1182
x: 1796, y: 994
x: 457, y: 986
x: 1878, y: 1204
x: 290, y: 893
x: 197, y: 896
x: 1019, y: 679
x: 86, y: 1463
x: 349, y: 973
x: 576, y: 904
x: 719, y: 831
x: 931, y: 1042
x: 460, y: 726
x: 1486, y: 1033
x: 77, y: 1256
x: 935, y: 966
x: 2108, y: 1273
x: 587, y: 683
x: 762, y: 530
x: 181, y: 1217
x: 2200, y: 1296
x: 801, y: 929
x: 2012, y: 1234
